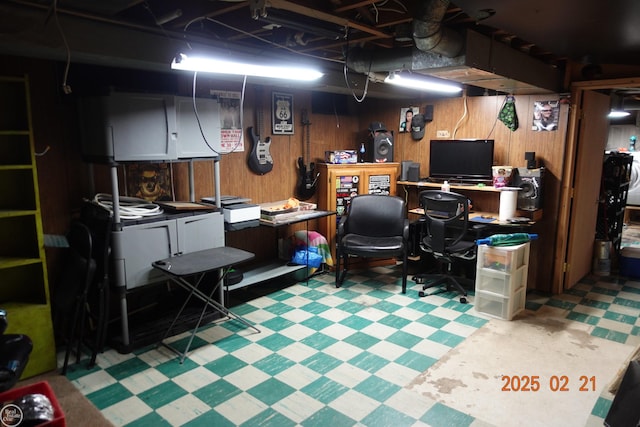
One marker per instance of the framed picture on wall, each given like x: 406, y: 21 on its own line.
x: 230, y: 124
x: 545, y: 115
x: 149, y: 181
x: 282, y: 113
x: 406, y: 115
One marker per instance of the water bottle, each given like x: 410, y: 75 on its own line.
x: 507, y: 239
x: 632, y: 143
x: 362, y: 152
x: 445, y: 186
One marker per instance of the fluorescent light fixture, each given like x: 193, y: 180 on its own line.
x: 616, y: 114
x: 220, y: 66
x: 421, y: 84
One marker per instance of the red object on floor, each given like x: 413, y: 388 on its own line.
x: 42, y: 387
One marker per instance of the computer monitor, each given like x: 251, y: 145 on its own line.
x: 461, y: 160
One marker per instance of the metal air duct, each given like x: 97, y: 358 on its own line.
x: 471, y: 59
x: 430, y: 36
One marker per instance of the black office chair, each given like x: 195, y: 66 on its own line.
x: 444, y: 234
x: 374, y: 227
x: 70, y: 293
x: 100, y: 222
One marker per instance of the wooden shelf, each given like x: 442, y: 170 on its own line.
x: 24, y: 290
x: 437, y: 185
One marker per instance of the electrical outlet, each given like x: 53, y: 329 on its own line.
x: 442, y: 134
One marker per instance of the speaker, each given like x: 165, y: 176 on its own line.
x: 404, y: 169
x: 428, y: 113
x: 530, y: 157
x: 381, y: 148
x: 530, y: 180
x: 414, y: 172
x: 410, y: 171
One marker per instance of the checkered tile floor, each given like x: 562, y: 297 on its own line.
x: 326, y: 357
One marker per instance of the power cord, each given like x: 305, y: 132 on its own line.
x: 130, y: 207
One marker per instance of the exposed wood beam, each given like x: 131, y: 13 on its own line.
x: 322, y: 16
x: 353, y: 6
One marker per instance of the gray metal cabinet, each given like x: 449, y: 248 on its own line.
x: 128, y: 127
x: 138, y: 127
x: 198, y: 129
x: 137, y: 246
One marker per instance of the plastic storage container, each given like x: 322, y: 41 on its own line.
x: 501, y: 280
x: 502, y: 307
x: 630, y: 262
x: 44, y: 388
x: 503, y: 258
x: 503, y: 284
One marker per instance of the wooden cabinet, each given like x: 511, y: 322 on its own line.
x: 337, y: 184
x: 24, y: 289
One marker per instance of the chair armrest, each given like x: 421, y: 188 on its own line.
x: 480, y: 230
x: 405, y: 230
x: 341, y: 229
x: 341, y: 225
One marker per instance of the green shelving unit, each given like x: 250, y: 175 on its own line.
x: 24, y: 288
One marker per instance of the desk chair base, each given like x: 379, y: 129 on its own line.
x: 439, y: 279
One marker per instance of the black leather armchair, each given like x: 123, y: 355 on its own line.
x: 374, y: 227
x: 445, y: 235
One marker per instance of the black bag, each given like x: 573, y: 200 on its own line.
x: 625, y: 411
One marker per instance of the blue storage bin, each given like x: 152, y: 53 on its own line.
x: 630, y: 262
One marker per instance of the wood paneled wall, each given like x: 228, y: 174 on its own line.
x: 65, y: 179
x: 477, y: 117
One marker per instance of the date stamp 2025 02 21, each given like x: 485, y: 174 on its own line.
x: 555, y: 383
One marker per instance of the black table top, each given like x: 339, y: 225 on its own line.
x: 202, y: 261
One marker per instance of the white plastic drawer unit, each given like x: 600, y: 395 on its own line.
x: 501, y: 307
x: 501, y: 283
x: 503, y: 258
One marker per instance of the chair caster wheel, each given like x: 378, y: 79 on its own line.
x: 463, y: 300
x: 422, y: 294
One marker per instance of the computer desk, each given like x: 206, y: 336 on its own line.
x: 485, y: 200
x: 486, y: 218
x: 194, y: 266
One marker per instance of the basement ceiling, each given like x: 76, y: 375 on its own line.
x: 506, y: 45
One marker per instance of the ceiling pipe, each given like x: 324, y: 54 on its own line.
x: 630, y: 104
x: 430, y: 36
x: 435, y: 46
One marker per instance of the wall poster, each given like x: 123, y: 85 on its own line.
x: 406, y: 115
x: 545, y: 115
x: 346, y: 189
x: 282, y: 112
x: 149, y: 181
x: 231, y: 139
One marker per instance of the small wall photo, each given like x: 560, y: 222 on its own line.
x: 406, y: 115
x: 545, y: 115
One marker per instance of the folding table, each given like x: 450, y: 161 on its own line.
x: 188, y: 270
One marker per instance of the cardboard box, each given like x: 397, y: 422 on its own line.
x: 42, y: 387
x: 341, y: 156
